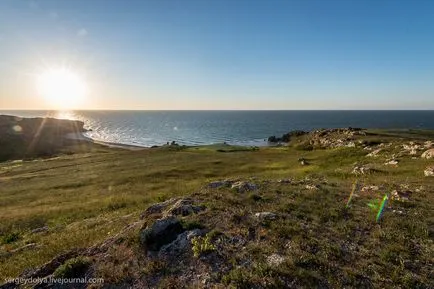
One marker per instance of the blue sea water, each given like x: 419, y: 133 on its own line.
x: 147, y: 128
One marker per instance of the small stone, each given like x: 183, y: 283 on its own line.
x: 312, y: 187
x: 40, y: 230
x: 428, y: 154
x: 429, y: 171
x: 391, y: 162
x: 275, y: 260
x: 266, y: 216
x: 374, y: 153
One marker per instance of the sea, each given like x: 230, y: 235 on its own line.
x: 149, y: 128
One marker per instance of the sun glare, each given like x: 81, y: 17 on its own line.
x: 61, y: 88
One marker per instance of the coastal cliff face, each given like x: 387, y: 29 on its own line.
x: 31, y: 137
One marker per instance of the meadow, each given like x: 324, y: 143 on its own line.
x: 89, y: 193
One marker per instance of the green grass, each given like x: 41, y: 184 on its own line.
x: 86, y: 197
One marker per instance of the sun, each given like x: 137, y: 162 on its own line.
x: 61, y: 88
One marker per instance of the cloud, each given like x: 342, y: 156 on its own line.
x: 82, y: 32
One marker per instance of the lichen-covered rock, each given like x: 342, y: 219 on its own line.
x: 312, y: 187
x: 161, y: 232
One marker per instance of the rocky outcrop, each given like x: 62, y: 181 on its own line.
x: 161, y: 232
x: 286, y: 137
x: 30, y: 137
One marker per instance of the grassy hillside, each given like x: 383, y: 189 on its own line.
x: 78, y: 200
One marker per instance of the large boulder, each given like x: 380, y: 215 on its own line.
x: 161, y: 232
x: 428, y: 154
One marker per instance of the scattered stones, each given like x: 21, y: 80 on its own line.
x: 242, y: 187
x: 266, y: 216
x: 428, y: 144
x: 391, y: 162
x: 275, y: 260
x: 428, y: 154
x: 401, y: 195
x: 429, y: 171
x: 162, y: 232
x: 374, y: 153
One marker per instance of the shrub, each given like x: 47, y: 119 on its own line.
x: 202, y: 245
x: 72, y: 268
x: 10, y: 238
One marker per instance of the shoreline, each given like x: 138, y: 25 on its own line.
x: 81, y: 137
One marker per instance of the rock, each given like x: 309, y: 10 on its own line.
x: 284, y: 181
x: 312, y: 187
x: 266, y: 216
x: 28, y: 246
x: 157, y: 208
x: 39, y: 230
x: 180, y: 244
x: 428, y: 144
x: 303, y: 161
x: 370, y: 189
x: 401, y: 195
x: 362, y: 170
x: 275, y: 260
x: 218, y: 184
x: 242, y: 187
x: 184, y: 207
x: 374, y: 153
x: 429, y: 171
x: 351, y: 145
x: 391, y: 162
x: 428, y: 154
x: 162, y: 232
x: 176, y: 207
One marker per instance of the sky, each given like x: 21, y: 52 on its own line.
x: 220, y: 54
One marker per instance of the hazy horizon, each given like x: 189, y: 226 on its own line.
x: 216, y: 55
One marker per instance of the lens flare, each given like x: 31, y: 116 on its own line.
x: 352, y: 193
x: 382, y: 206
